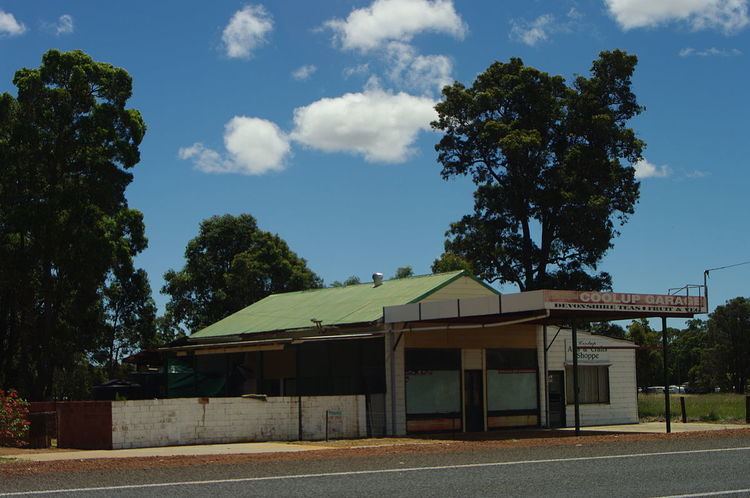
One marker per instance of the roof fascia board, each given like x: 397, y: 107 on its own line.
x: 425, y: 295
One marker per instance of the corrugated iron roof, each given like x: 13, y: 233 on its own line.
x: 361, y: 303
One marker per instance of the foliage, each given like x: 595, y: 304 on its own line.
x: 685, y: 353
x: 229, y: 265
x: 130, y: 317
x: 547, y: 160
x: 75, y: 380
x: 14, y: 419
x: 404, y: 272
x: 718, y: 407
x: 729, y: 344
x: 704, y: 354
x: 608, y: 329
x: 450, y: 261
x: 648, y: 358
x: 353, y: 280
x: 67, y: 143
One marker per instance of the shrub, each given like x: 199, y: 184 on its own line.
x: 14, y: 419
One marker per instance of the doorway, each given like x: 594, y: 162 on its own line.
x: 474, y: 400
x: 556, y: 386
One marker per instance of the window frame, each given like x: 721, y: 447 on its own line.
x: 583, y: 399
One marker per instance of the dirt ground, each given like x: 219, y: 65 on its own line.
x: 360, y: 448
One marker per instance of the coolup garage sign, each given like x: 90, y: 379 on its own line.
x: 620, y: 301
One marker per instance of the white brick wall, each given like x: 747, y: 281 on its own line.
x: 623, y: 405
x: 166, y: 422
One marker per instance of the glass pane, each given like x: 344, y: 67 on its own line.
x: 511, y: 359
x: 433, y: 391
x: 511, y: 390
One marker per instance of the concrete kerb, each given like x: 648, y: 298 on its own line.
x: 292, y: 447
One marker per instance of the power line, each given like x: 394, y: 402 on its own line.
x: 728, y: 266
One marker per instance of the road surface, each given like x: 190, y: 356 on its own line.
x: 680, y: 467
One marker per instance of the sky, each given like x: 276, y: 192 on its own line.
x: 314, y: 118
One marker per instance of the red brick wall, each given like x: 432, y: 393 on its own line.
x: 84, y: 425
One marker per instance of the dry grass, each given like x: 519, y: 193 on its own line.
x: 716, y: 407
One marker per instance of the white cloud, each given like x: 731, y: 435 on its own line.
x: 304, y: 72
x: 726, y: 15
x: 64, y: 25
x: 645, y: 169
x: 247, y: 29
x: 254, y: 146
x: 423, y: 73
x: 709, y: 52
x: 379, y: 125
x: 383, y: 21
x: 358, y: 70
x: 9, y: 26
x: 696, y: 173
x: 531, y: 33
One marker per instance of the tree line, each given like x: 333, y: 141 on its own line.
x: 705, y: 354
x: 551, y: 161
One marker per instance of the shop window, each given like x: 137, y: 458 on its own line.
x: 433, y: 382
x: 593, y: 384
x: 511, y: 359
x: 512, y: 381
x: 511, y: 391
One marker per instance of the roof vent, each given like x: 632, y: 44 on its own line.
x: 377, y: 279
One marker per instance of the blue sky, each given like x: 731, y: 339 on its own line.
x: 314, y: 117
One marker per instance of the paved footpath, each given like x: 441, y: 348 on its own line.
x: 167, y: 451
x: 678, y: 465
x: 284, y: 447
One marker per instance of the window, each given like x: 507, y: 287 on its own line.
x: 593, y: 384
x: 511, y: 381
x: 433, y: 382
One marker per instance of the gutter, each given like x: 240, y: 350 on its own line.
x: 482, y: 325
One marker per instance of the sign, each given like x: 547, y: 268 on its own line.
x: 621, y: 301
x: 334, y: 424
x: 590, y: 352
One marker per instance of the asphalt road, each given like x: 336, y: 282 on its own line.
x: 697, y: 467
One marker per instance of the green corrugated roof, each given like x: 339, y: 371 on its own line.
x: 333, y: 306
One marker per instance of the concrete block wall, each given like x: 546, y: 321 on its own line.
x: 347, y: 417
x: 180, y: 421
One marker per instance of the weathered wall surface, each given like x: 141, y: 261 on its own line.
x: 623, y: 404
x: 179, y: 421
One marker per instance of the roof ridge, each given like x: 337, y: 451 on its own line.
x: 317, y: 289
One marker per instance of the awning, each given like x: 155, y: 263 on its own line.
x: 550, y: 306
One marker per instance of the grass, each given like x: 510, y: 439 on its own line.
x: 717, y: 407
x: 6, y: 460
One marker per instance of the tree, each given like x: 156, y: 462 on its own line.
x: 352, y: 280
x: 67, y: 143
x: 230, y: 265
x: 608, y: 329
x: 729, y: 344
x: 547, y: 160
x: 404, y: 272
x: 450, y: 261
x: 130, y: 317
x: 685, y: 352
x: 648, y: 358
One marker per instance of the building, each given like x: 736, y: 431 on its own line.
x: 441, y: 352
